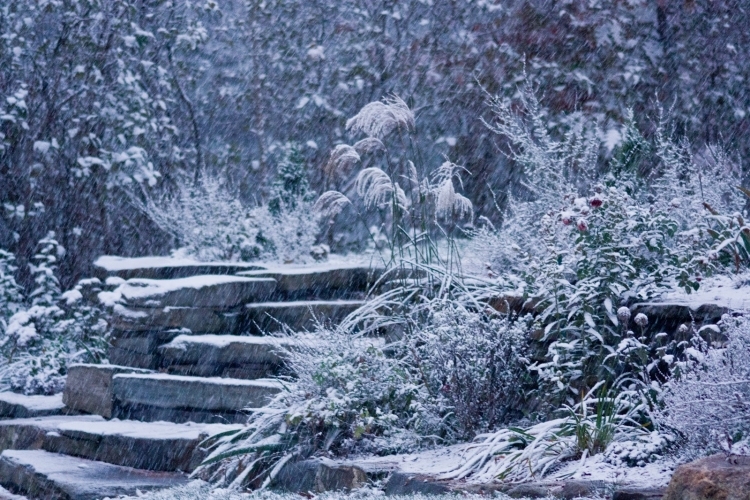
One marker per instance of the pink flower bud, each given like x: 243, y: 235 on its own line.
x: 582, y: 225
x: 596, y: 202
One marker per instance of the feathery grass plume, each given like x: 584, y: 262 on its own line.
x: 413, y: 176
x: 449, y: 203
x: 374, y: 186
x: 369, y: 144
x: 343, y: 157
x: 378, y: 119
x: 331, y: 203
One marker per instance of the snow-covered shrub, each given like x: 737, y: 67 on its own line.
x: 11, y: 296
x: 590, y: 235
x: 211, y: 223
x: 473, y: 366
x: 49, y: 330
x: 348, y: 395
x: 601, y: 421
x: 206, y: 219
x: 709, y: 405
x: 458, y: 372
x: 605, y: 252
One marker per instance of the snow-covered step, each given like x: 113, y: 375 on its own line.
x: 164, y: 267
x: 177, y: 398
x: 247, y: 357
x: 203, y: 291
x: 163, y: 446
x: 320, y: 280
x: 39, y: 474
x: 297, y: 315
x: 197, y: 320
x: 7, y: 495
x: 14, y: 405
x: 88, y: 387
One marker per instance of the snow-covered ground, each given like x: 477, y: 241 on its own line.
x: 198, y: 490
x: 729, y: 291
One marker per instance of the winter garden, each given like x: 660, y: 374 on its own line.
x: 501, y: 344
x: 517, y: 340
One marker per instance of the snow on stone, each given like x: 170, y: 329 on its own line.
x: 225, y: 340
x: 112, y: 263
x: 304, y: 303
x: 331, y: 265
x: 82, y: 478
x: 147, y: 430
x: 53, y: 423
x: 261, y: 382
x: 139, y: 288
x: 37, y: 403
x: 94, y: 424
x: 119, y: 309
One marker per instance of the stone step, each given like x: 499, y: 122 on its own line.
x: 161, y: 446
x: 88, y: 387
x: 7, y: 495
x: 177, y: 398
x: 296, y: 315
x: 322, y: 281
x: 197, y: 320
x: 161, y: 268
x: 203, y: 291
x: 40, y: 474
x: 234, y: 356
x: 14, y: 405
x: 254, y: 317
x: 140, y: 349
x: 136, y: 339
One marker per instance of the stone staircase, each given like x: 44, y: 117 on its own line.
x: 189, y: 359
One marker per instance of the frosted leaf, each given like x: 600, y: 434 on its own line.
x: 378, y: 119
x: 331, y: 203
